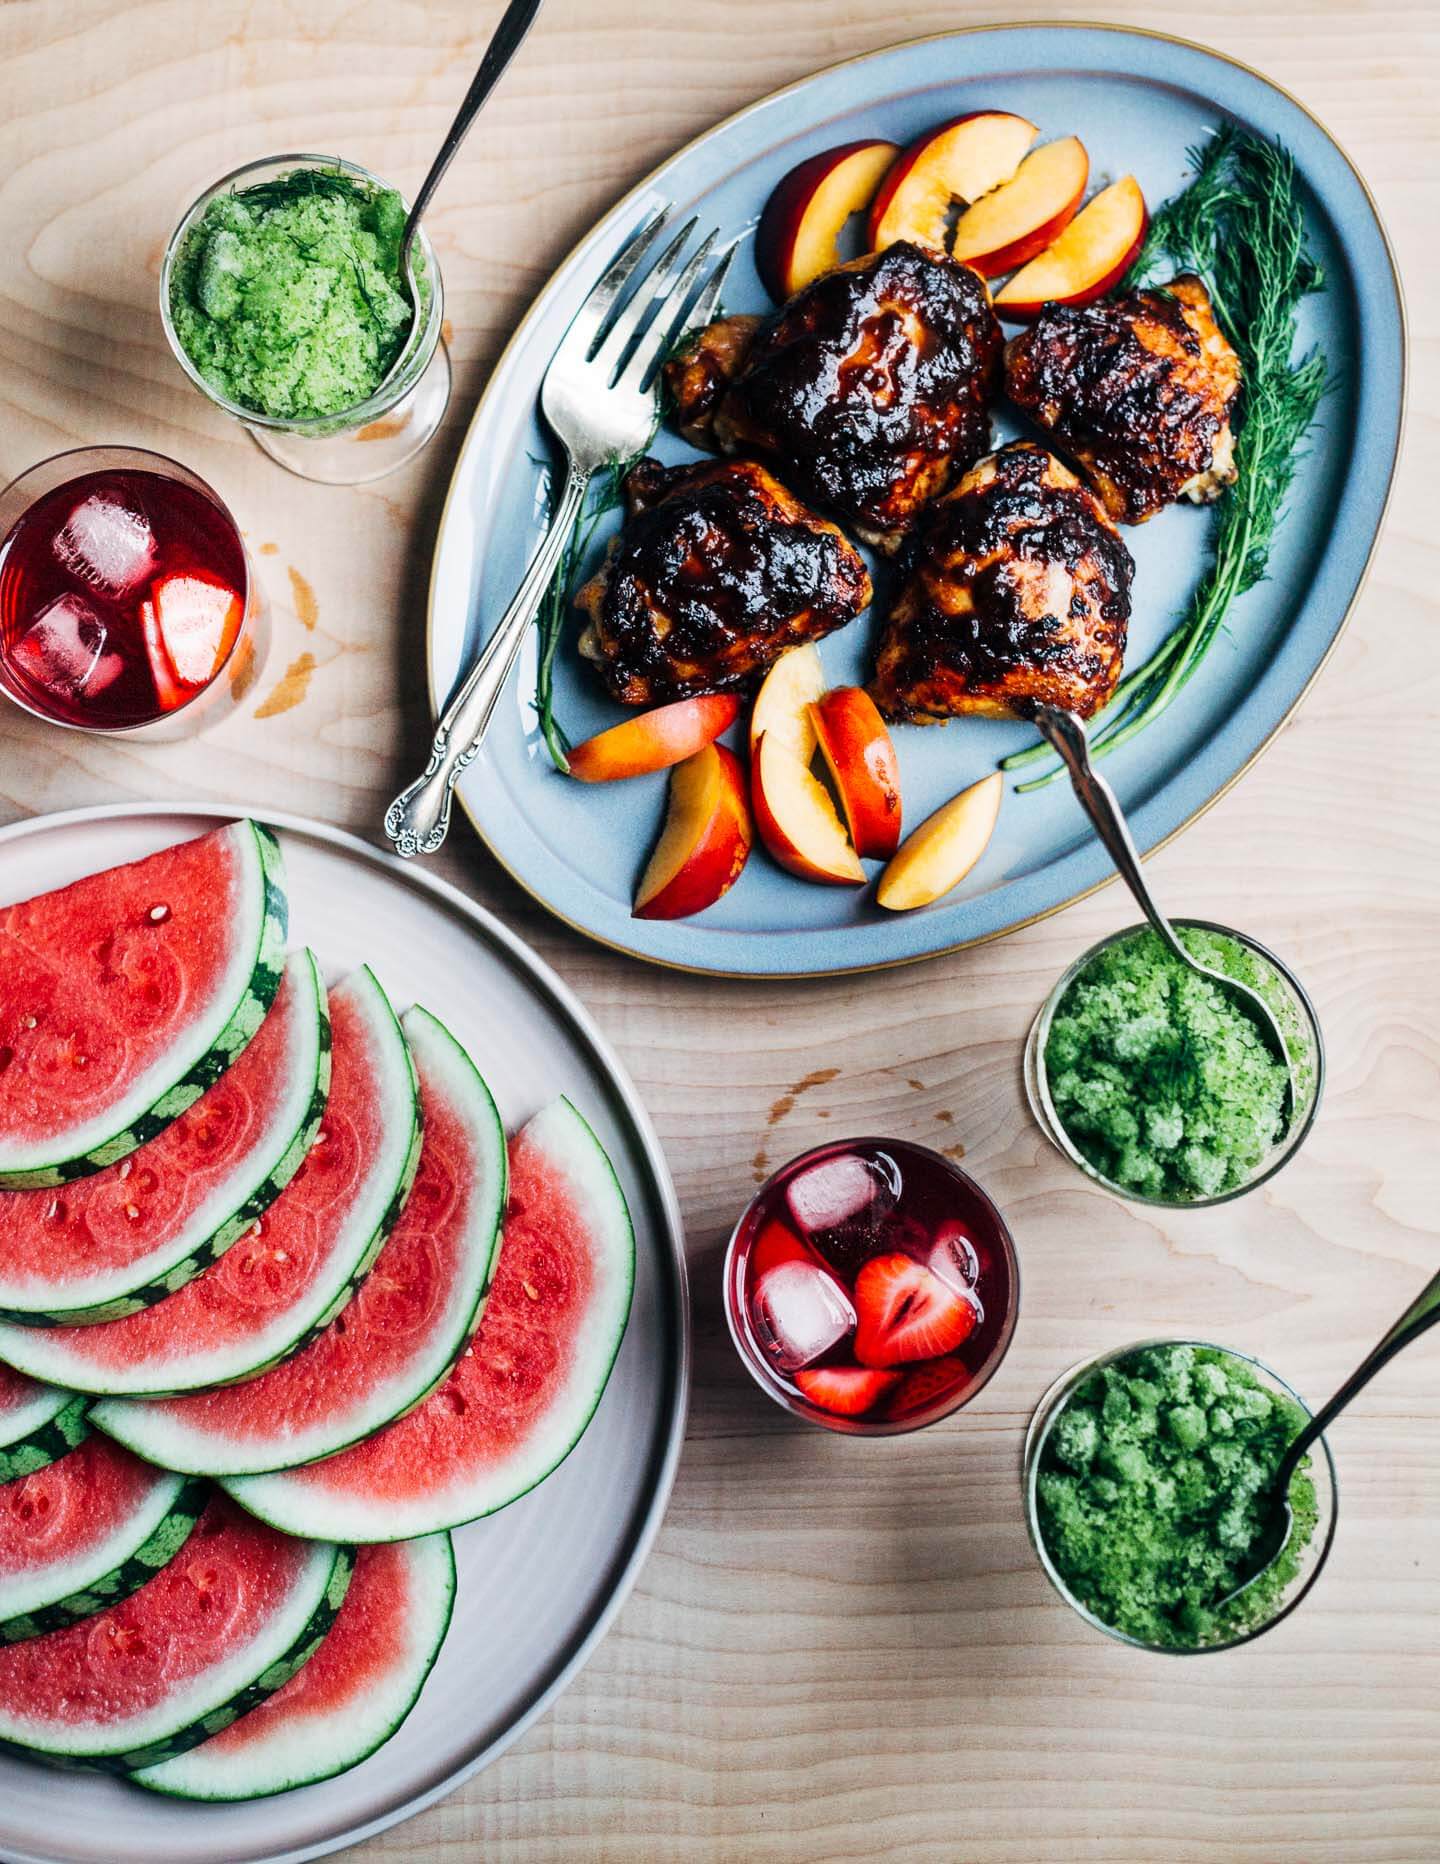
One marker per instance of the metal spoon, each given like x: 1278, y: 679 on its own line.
x: 1066, y: 735
x: 1422, y: 1314
x: 505, y: 42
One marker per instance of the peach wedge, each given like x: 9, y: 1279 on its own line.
x: 782, y: 705
x: 654, y: 740
x: 860, y: 754
x: 1094, y: 252
x: 961, y: 160
x: 705, y: 841
x: 939, y: 854
x: 1015, y: 222
x: 797, y: 820
x: 798, y: 238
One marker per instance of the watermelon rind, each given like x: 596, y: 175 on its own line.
x: 290, y: 1500
x: 41, y: 1431
x: 64, y: 1356
x: 291, y: 1756
x: 227, y: 1213
x: 180, y: 1436
x: 209, y: 1046
x: 210, y: 1701
x: 37, y: 1602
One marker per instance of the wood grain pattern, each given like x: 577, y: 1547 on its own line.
x: 839, y: 1649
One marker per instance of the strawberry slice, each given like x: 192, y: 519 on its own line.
x: 168, y: 689
x: 928, y: 1384
x: 849, y: 1391
x: 776, y: 1244
x: 904, y: 1312
x: 199, y: 620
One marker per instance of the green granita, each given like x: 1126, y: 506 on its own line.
x: 1151, y: 1491
x: 287, y: 296
x: 1159, y: 1079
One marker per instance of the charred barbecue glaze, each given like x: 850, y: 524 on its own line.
x: 717, y: 571
x: 871, y: 388
x: 1017, y: 593
x: 1139, y: 389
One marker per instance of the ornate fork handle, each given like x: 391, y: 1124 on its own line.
x: 418, y: 820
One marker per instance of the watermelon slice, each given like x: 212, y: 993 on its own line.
x: 399, y: 1335
x: 519, y: 1400
x: 126, y: 1236
x: 86, y: 1532
x: 37, y: 1424
x: 124, y: 996
x: 348, y: 1699
x: 298, y: 1262
x: 217, y: 1631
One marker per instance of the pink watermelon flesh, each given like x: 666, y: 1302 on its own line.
x: 497, y: 1398
x: 271, y: 1267
x: 73, y: 1504
x: 16, y: 1391
x: 383, y: 1330
x: 133, y: 1209
x: 95, y: 978
x: 232, y: 1573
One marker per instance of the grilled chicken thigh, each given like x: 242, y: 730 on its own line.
x: 870, y: 389
x: 718, y: 570
x: 1017, y: 594
x: 1139, y: 389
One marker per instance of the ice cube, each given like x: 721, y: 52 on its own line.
x: 953, y: 1257
x: 62, y: 648
x: 106, y: 544
x: 799, y: 1312
x: 839, y: 1191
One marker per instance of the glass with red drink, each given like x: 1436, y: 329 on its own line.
x: 127, y: 600
x: 871, y: 1286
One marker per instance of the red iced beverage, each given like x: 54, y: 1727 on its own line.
x: 871, y: 1286
x: 124, y: 591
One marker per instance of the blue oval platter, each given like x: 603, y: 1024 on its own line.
x: 1138, y: 101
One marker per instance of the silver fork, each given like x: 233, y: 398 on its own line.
x: 600, y: 398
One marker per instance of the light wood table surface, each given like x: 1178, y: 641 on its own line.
x: 838, y: 1649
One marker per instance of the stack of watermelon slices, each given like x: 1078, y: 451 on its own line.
x: 264, y: 1337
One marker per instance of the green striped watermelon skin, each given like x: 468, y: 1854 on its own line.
x: 264, y: 1686
x: 126, y: 1577
x: 245, y: 1019
x: 234, y: 1227
x: 48, y: 1442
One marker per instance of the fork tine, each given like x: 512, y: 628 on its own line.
x: 657, y: 340
x: 705, y: 306
x: 588, y: 321
x: 649, y: 295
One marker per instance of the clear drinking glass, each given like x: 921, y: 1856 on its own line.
x: 190, y: 531
x: 376, y: 436
x: 1321, y: 1471
x: 932, y: 1197
x: 1298, y: 1022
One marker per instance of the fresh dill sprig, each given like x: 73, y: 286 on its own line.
x: 1239, y: 226
x: 604, y: 495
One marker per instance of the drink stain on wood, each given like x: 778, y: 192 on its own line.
x: 289, y: 689
x: 307, y: 609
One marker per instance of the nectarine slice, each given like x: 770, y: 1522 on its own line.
x: 798, y: 238
x: 1020, y: 219
x: 961, y: 160
x: 797, y: 820
x: 705, y: 841
x: 1094, y: 252
x: 782, y: 705
x: 939, y: 854
x: 654, y: 740
x: 860, y: 754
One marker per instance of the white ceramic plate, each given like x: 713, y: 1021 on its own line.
x: 540, y: 1582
